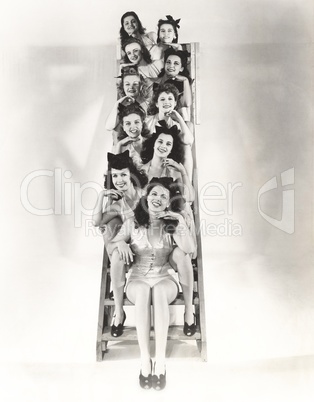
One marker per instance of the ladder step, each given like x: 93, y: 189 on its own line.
x: 175, y: 332
x: 177, y: 302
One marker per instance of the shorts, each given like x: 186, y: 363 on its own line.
x: 151, y: 282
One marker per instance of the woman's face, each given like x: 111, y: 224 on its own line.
x: 132, y: 125
x: 166, y: 102
x: 131, y: 85
x: 158, y: 199
x: 173, y: 66
x: 134, y: 52
x: 166, y: 33
x: 121, y: 178
x: 163, y: 145
x: 130, y: 25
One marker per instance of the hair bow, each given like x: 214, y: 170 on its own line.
x: 172, y: 21
x: 164, y: 129
x: 183, y: 54
x: 164, y: 181
x: 119, y: 161
x: 134, y: 107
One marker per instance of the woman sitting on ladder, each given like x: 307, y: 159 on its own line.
x: 155, y: 231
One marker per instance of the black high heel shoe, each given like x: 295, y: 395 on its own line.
x: 117, y: 330
x: 189, y: 330
x: 159, y: 382
x: 146, y: 382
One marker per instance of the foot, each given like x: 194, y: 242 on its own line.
x: 190, y: 329
x: 159, y: 377
x: 145, y: 377
x: 118, y: 317
x: 189, y: 317
x: 117, y: 330
x: 146, y: 366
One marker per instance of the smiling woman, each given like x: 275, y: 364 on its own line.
x: 123, y: 189
x: 137, y: 54
x: 153, y: 237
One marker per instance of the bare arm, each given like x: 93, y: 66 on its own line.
x: 186, y: 135
x: 188, y: 189
x: 182, y: 235
x: 100, y: 216
x: 119, y: 242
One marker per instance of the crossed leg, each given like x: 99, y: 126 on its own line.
x: 117, y: 271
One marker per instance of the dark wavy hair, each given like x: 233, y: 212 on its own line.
x: 177, y: 203
x: 138, y: 177
x: 177, y: 151
x: 158, y: 89
x: 127, y: 110
x: 184, y: 61
x: 124, y: 35
x: 145, y: 53
x: 169, y: 21
x: 144, y: 86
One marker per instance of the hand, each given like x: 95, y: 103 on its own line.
x: 175, y: 116
x: 169, y: 215
x: 172, y: 164
x: 181, y: 78
x: 114, y: 194
x: 125, y: 252
x: 126, y: 100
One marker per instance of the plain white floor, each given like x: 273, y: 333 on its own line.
x: 256, y: 113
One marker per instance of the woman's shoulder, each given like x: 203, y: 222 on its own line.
x: 149, y: 37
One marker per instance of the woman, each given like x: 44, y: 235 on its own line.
x: 132, y: 26
x: 137, y: 54
x: 131, y: 132
x: 162, y: 155
x: 132, y: 87
x: 163, y: 107
x: 176, y: 72
x: 155, y: 232
x: 123, y: 189
x: 167, y: 36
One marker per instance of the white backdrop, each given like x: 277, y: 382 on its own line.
x: 57, y: 87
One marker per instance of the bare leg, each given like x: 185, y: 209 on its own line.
x: 181, y: 262
x: 163, y: 293
x: 139, y: 293
x: 117, y: 270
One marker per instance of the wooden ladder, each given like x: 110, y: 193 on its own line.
x: 106, y: 304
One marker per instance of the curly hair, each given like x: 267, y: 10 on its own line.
x: 182, y: 54
x: 177, y: 151
x: 138, y: 177
x: 169, y: 21
x: 145, y: 53
x: 124, y: 35
x: 126, y: 111
x: 177, y: 203
x: 159, y: 89
x: 144, y: 86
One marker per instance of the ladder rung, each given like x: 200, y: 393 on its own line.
x: 175, y: 332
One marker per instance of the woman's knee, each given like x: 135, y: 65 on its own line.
x: 138, y: 292
x: 165, y: 291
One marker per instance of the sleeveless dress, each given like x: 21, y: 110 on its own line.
x: 150, y: 264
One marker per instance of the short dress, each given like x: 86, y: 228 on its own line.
x: 150, y: 264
